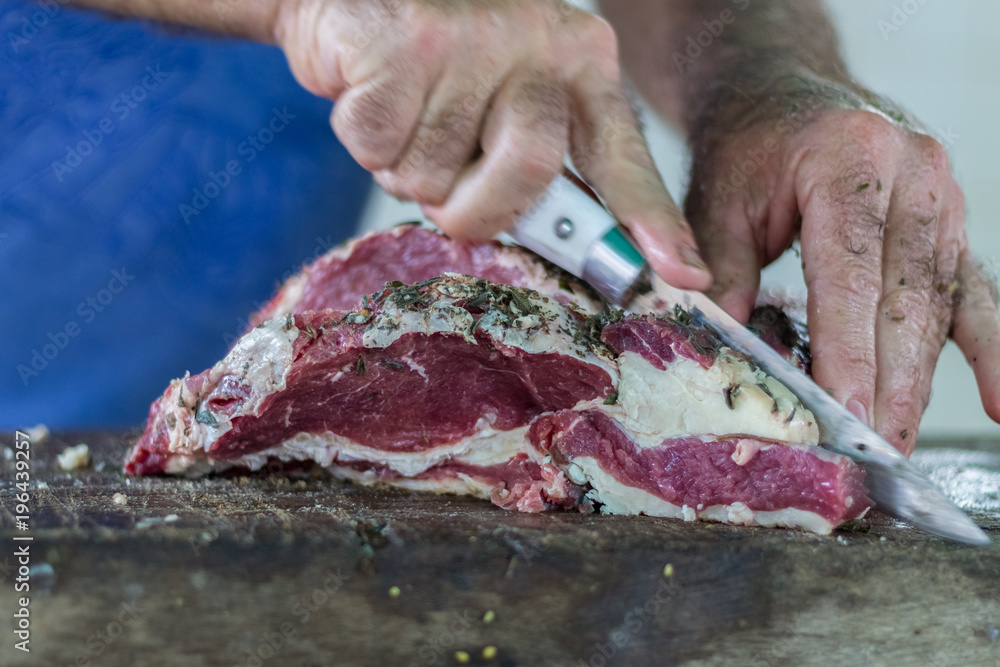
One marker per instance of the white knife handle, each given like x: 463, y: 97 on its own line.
x: 572, y: 230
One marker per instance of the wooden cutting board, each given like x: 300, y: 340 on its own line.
x: 268, y: 570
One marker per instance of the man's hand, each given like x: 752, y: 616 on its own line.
x: 884, y: 252
x: 469, y: 109
x: 786, y: 145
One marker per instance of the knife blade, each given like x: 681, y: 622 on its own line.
x: 571, y: 228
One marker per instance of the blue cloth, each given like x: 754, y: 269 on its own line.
x: 155, y: 187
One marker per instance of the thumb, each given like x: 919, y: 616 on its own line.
x: 610, y: 152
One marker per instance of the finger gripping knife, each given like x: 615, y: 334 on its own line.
x: 571, y: 228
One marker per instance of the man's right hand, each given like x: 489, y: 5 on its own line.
x: 468, y: 108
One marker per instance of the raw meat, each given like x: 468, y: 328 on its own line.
x: 529, y: 397
x: 409, y: 253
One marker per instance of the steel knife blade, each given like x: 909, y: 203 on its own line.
x: 572, y: 229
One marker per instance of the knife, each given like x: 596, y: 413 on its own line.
x: 571, y: 228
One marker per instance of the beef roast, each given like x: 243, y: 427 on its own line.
x: 529, y: 397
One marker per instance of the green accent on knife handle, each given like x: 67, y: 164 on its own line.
x: 621, y: 245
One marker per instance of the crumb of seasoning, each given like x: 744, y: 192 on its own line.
x: 489, y: 652
x: 462, y: 656
x: 668, y: 570
x: 74, y: 458
x: 120, y: 499
x: 37, y: 433
x: 489, y: 616
x: 863, y: 186
x: 394, y: 592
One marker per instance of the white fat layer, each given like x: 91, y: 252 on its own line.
x: 262, y: 359
x: 686, y: 399
x: 291, y: 294
x: 459, y: 484
x: 535, y: 333
x: 484, y: 448
x: 618, y: 498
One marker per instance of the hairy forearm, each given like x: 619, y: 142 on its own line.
x: 252, y: 19
x: 696, y: 59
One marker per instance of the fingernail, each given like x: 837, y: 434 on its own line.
x: 691, y: 257
x: 858, y: 409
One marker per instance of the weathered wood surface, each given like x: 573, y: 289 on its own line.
x: 210, y: 570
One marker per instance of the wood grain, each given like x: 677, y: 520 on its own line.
x: 309, y: 565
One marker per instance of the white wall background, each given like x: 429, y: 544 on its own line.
x: 943, y: 64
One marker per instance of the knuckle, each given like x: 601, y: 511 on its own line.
x: 597, y: 38
x: 862, y: 217
x: 868, y: 129
x: 863, y: 235
x: 541, y: 102
x: 900, y: 417
x: 449, y: 141
x: 844, y: 357
x: 369, y: 126
x: 908, y: 307
x: 958, y: 205
x: 538, y: 163
x: 932, y: 154
x: 414, y: 179
x: 902, y: 410
x: 462, y: 119
x: 857, y: 181
x: 854, y: 282
x: 425, y: 34
x: 918, y: 264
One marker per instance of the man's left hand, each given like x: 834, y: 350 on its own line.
x: 884, y: 251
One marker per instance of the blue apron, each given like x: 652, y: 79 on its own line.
x: 156, y: 185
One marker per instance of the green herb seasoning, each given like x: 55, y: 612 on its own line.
x: 730, y: 393
x: 203, y: 416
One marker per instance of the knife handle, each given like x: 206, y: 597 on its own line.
x: 571, y: 229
